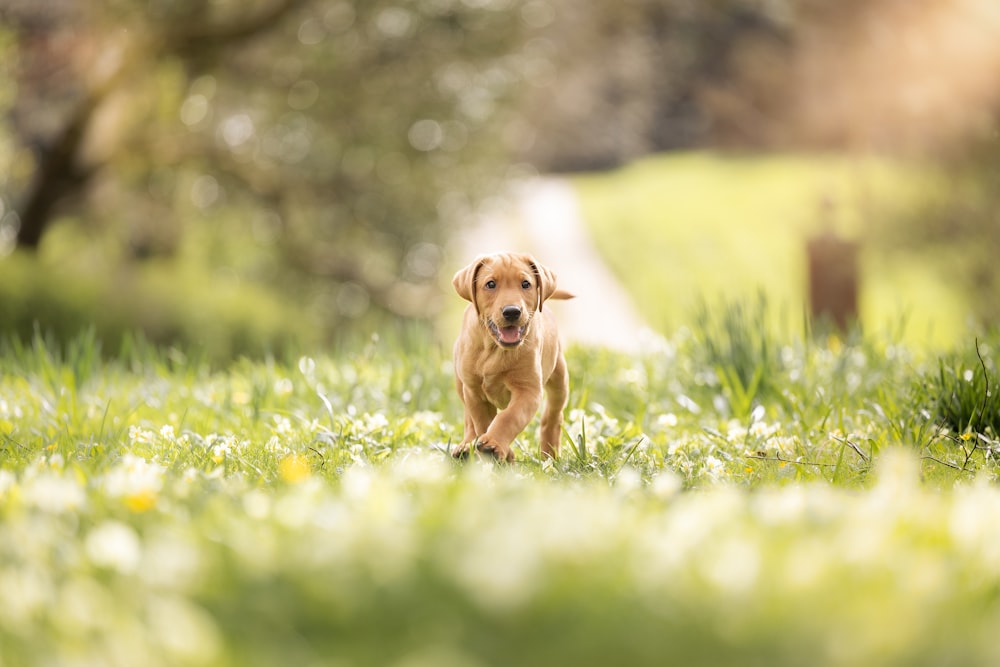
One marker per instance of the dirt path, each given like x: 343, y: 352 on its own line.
x: 546, y: 223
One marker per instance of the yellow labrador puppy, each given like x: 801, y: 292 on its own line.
x: 508, y: 351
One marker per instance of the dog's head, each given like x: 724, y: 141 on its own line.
x: 507, y: 290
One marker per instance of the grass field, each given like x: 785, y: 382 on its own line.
x: 683, y: 229
x: 724, y: 497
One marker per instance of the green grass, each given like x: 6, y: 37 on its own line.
x: 157, y: 510
x: 168, y: 302
x: 680, y: 229
x: 965, y: 391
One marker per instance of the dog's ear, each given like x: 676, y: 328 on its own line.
x: 465, y: 280
x: 546, y: 279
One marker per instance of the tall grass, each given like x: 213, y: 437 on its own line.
x: 736, y: 341
x: 965, y: 392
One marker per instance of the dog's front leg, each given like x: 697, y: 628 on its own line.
x: 509, y: 422
x: 479, y: 413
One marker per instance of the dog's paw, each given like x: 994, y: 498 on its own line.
x: 495, y: 449
x: 461, y: 451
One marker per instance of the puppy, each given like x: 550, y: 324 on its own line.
x: 507, y: 352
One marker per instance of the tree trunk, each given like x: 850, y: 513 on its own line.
x: 58, y: 178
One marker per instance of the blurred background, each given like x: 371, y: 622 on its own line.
x: 261, y: 175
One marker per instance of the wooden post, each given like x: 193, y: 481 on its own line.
x: 833, y: 280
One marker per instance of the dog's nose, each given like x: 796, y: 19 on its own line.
x: 511, y: 313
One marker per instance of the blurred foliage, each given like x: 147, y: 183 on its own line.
x: 958, y: 220
x: 169, y: 306
x: 318, y: 149
x: 322, y: 151
x: 643, y: 76
x: 884, y: 76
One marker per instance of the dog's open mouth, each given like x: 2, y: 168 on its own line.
x: 507, y: 336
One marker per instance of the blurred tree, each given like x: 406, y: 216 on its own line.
x: 904, y: 78
x: 640, y: 76
x: 323, y: 146
x: 319, y: 144
x: 636, y: 76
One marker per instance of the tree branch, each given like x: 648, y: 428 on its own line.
x: 780, y: 459
x: 945, y: 463
x: 857, y: 450
x: 186, y: 38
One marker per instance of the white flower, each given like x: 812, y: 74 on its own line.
x: 428, y: 419
x: 735, y: 431
x: 222, y: 446
x: 714, y: 468
x: 668, y: 420
x: 307, y: 366
x: 53, y: 493
x: 7, y: 411
x: 628, y: 480
x: 7, y: 481
x: 115, y: 546
x: 138, y: 435
x: 282, y: 425
x: 220, y: 451
x: 376, y: 422
x: 136, y: 480
x: 666, y: 484
x: 761, y: 429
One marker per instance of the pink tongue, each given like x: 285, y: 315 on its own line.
x: 510, y: 334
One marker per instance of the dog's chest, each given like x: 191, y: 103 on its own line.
x: 496, y: 391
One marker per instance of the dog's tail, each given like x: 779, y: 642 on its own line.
x: 562, y: 294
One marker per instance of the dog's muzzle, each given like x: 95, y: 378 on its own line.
x: 508, y: 336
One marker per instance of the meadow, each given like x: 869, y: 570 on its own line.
x: 724, y: 496
x: 736, y: 492
x: 709, y: 227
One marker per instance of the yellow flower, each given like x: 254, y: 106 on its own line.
x: 141, y: 501
x: 293, y: 468
x: 136, y: 481
x: 966, y: 436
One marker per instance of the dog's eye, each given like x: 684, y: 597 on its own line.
x: 491, y: 284
x: 526, y: 284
